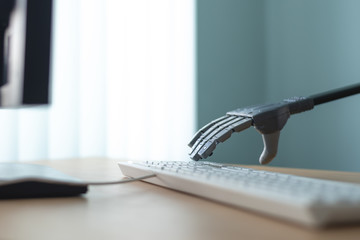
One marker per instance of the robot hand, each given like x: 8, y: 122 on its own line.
x: 267, y: 119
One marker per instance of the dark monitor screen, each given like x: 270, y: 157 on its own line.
x: 26, y: 27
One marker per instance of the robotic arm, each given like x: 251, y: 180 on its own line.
x: 267, y: 119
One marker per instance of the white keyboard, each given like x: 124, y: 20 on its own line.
x: 308, y: 201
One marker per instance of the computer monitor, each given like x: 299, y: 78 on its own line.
x: 25, y: 43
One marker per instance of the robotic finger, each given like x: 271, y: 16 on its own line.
x: 206, y: 139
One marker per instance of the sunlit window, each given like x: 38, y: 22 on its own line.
x: 123, y: 84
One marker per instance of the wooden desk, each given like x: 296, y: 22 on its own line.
x: 144, y: 211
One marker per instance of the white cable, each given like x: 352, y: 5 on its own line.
x: 120, y: 181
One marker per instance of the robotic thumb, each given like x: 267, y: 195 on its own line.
x: 270, y: 147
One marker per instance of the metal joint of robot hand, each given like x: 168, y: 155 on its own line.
x: 267, y: 119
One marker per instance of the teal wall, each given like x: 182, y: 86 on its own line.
x: 230, y: 68
x: 257, y: 51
